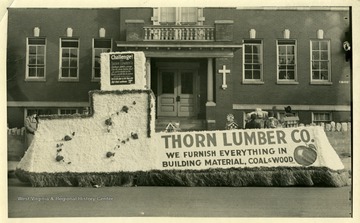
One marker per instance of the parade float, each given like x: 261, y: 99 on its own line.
x: 116, y: 145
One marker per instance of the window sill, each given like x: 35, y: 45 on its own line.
x: 253, y: 82
x: 35, y: 79
x: 321, y: 83
x: 69, y: 80
x: 95, y: 80
x: 287, y: 82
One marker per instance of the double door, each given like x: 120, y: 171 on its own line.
x: 176, y: 92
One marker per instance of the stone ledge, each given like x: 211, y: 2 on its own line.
x: 224, y: 22
x: 132, y: 21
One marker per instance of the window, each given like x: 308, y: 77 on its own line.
x: 54, y: 111
x: 99, y: 46
x: 69, y: 59
x: 42, y: 111
x: 188, y: 15
x: 281, y: 115
x: 319, y: 117
x: 320, y: 61
x: 178, y: 16
x: 167, y: 15
x: 252, y: 61
x: 68, y: 111
x: 35, y: 59
x: 286, y: 61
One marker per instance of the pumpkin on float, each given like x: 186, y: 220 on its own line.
x: 305, y: 155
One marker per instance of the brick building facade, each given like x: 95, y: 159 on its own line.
x: 202, y: 63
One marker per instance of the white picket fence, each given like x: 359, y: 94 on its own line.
x: 328, y: 127
x: 16, y: 131
x: 333, y: 126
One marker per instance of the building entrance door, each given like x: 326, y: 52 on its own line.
x: 176, y: 93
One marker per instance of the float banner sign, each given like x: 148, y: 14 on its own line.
x: 282, y: 147
x: 122, y: 69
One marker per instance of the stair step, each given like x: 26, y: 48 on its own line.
x: 185, y: 124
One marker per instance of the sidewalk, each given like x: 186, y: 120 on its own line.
x: 12, y: 165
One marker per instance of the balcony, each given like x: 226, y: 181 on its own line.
x: 136, y: 30
x: 179, y: 33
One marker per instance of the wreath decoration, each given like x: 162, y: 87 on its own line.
x: 346, y: 46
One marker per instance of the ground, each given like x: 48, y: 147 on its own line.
x: 227, y: 202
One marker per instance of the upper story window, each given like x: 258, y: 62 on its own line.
x: 167, y: 15
x: 253, y: 61
x: 99, y: 46
x: 36, y: 59
x: 178, y: 16
x: 320, y: 61
x: 286, y: 61
x: 69, y: 59
x: 188, y: 15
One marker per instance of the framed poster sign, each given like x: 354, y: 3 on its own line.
x: 122, y: 69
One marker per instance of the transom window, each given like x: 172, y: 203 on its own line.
x: 252, y: 61
x: 69, y: 59
x: 286, y: 61
x: 178, y: 16
x: 35, y: 58
x: 319, y: 117
x: 99, y: 46
x: 320, y: 61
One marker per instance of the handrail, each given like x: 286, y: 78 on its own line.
x: 179, y: 33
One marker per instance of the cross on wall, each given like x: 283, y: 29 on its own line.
x: 224, y: 71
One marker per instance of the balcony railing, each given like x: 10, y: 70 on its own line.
x: 175, y: 33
